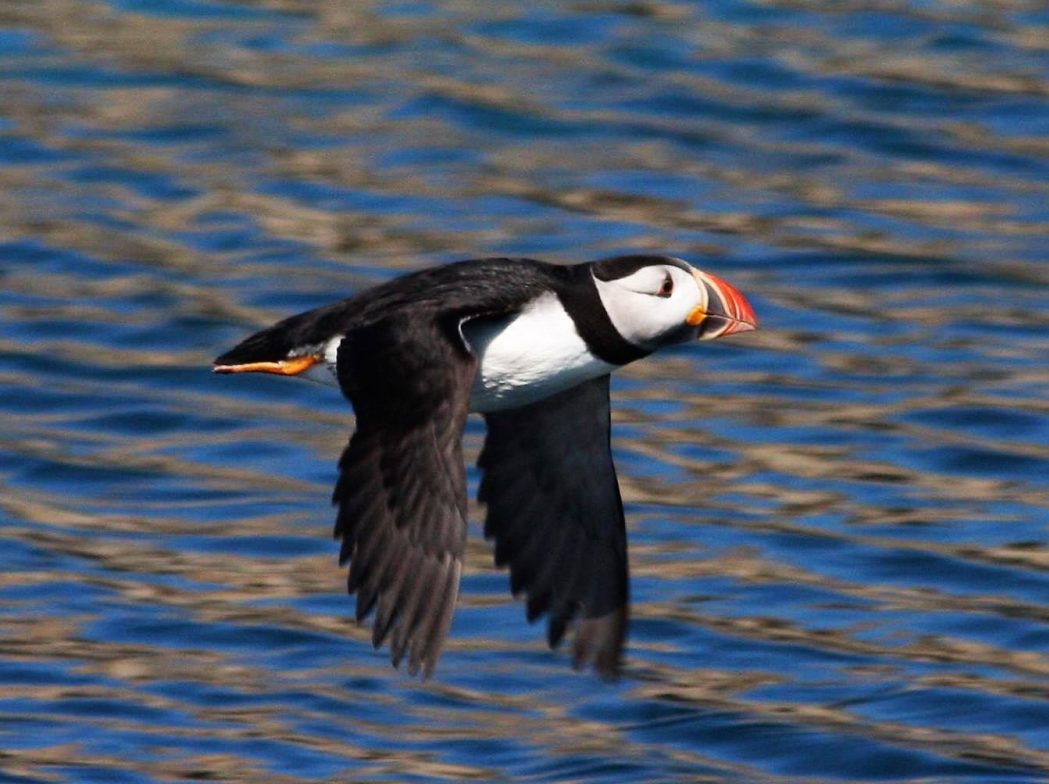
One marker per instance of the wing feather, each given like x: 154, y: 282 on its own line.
x: 556, y: 516
x: 401, y: 491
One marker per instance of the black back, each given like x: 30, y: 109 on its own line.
x: 467, y: 289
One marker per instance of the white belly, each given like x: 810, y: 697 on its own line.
x: 528, y: 357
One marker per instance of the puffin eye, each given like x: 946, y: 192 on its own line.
x: 667, y: 287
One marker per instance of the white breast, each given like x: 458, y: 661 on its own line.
x: 529, y: 356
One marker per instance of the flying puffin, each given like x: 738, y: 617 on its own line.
x: 530, y: 346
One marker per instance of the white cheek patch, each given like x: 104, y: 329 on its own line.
x: 646, y: 280
x: 637, y: 313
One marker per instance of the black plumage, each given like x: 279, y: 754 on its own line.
x: 401, y: 490
x: 556, y: 516
x: 548, y: 480
x: 402, y: 487
x: 474, y: 288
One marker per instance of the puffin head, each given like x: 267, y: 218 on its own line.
x: 655, y: 301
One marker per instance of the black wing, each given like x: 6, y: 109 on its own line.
x: 402, y: 486
x: 556, y: 515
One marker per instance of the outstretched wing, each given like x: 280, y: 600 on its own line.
x: 556, y: 515
x: 401, y: 491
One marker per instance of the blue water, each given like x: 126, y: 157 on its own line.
x: 839, y: 525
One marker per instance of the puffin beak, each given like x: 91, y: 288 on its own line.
x: 726, y: 310
x: 283, y: 367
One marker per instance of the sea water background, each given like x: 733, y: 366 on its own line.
x: 838, y: 524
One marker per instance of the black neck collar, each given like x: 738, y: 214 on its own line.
x: 579, y: 296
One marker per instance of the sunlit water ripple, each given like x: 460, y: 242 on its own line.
x: 838, y: 524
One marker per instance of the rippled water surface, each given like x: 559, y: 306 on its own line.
x: 838, y: 524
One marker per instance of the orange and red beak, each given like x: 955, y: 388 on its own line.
x: 725, y: 312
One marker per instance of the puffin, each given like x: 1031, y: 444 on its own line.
x: 530, y: 346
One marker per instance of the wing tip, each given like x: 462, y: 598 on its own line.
x: 599, y: 643
x: 415, y: 622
